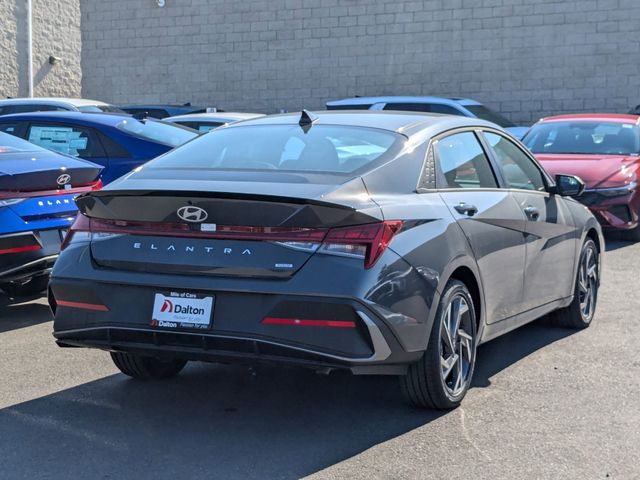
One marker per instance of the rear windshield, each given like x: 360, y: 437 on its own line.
x: 323, y: 148
x: 484, y: 113
x: 165, y: 133
x: 9, y: 143
x: 584, y: 138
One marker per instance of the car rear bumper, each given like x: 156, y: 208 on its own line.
x: 21, y: 265
x: 117, y: 317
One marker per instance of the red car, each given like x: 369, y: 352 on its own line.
x: 604, y: 151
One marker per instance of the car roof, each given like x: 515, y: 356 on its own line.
x: 593, y: 117
x: 214, y: 117
x: 76, y: 102
x: 402, y: 99
x: 405, y: 123
x: 88, y: 118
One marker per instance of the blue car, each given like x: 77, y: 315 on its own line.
x: 450, y: 106
x: 37, y: 192
x: 117, y: 142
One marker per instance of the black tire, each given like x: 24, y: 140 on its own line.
x: 426, y: 385
x: 146, y: 368
x: 576, y: 315
x: 34, y: 286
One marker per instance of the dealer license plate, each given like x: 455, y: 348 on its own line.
x: 182, y: 310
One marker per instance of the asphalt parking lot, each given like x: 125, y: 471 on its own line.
x: 547, y: 403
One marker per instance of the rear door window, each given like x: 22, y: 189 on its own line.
x: 72, y: 140
x: 462, y: 163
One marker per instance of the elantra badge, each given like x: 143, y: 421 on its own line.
x: 192, y: 214
x: 63, y: 179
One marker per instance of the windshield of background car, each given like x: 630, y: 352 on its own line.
x: 584, y: 137
x: 484, y: 113
x: 9, y: 143
x: 323, y: 148
x: 100, y: 109
x: 167, y: 134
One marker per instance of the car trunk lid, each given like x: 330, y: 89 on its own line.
x: 252, y: 229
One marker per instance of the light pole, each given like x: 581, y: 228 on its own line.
x: 30, y: 46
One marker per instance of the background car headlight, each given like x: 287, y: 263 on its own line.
x: 616, y: 191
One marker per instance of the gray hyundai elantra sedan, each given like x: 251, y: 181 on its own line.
x: 374, y: 242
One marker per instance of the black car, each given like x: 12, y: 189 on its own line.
x: 374, y: 242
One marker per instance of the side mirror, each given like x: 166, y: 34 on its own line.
x: 568, y: 186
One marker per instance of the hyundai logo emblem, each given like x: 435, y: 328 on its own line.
x: 192, y: 214
x: 63, y: 179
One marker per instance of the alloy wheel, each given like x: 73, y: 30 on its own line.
x: 456, y: 346
x: 588, y: 282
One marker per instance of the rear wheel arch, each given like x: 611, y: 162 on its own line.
x: 466, y: 276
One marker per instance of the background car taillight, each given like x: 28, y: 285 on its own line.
x: 19, y: 243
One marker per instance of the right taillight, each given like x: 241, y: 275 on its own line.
x: 79, y: 230
x: 361, y: 241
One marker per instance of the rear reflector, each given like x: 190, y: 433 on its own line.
x: 299, y: 322
x: 96, y: 307
x: 20, y: 249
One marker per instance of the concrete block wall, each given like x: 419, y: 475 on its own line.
x: 526, y: 58
x: 56, y: 31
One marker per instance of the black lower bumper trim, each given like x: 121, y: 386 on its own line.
x: 211, y: 348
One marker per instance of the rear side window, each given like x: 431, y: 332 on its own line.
x: 484, y: 113
x: 150, y: 112
x: 31, y: 108
x: 11, y: 128
x: 202, y: 127
x: 359, y: 106
x: 322, y: 148
x: 408, y: 107
x: 462, y: 163
x: 518, y: 169
x: 423, y: 107
x: 72, y: 140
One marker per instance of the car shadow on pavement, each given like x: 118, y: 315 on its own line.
x: 613, y: 243
x: 504, y: 351
x: 217, y: 421
x: 21, y: 313
x: 212, y: 421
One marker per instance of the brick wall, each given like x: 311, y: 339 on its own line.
x: 56, y: 31
x: 527, y: 58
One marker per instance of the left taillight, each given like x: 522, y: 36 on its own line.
x: 361, y: 241
x: 80, y: 230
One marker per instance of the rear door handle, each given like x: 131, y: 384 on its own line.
x: 532, y: 213
x: 466, y: 209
